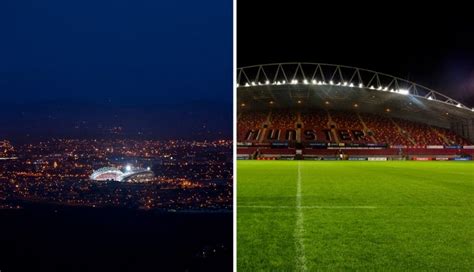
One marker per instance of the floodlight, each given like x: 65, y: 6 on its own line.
x: 403, y: 91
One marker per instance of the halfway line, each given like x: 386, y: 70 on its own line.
x: 299, y: 230
x: 305, y: 207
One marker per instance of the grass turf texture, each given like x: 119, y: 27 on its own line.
x: 394, y: 216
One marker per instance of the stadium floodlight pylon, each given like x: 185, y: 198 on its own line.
x: 295, y: 73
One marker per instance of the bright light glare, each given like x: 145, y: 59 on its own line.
x: 128, y: 168
x: 403, y: 91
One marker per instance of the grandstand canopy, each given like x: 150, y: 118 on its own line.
x: 338, y: 87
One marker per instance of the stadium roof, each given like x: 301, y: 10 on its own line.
x: 344, y: 87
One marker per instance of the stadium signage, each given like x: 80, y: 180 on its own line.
x: 453, y: 147
x: 434, y: 146
x: 422, y: 159
x: 442, y: 159
x: 357, y: 159
x: 377, y: 158
x: 462, y: 159
x: 317, y: 144
x: 244, y: 144
x: 398, y: 146
x: 261, y: 144
x: 276, y: 144
x: 336, y: 144
x: 307, y: 135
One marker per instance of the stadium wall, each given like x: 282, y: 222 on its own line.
x: 464, y: 128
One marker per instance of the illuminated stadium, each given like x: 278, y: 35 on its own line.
x: 346, y: 169
x: 129, y: 175
x: 326, y: 111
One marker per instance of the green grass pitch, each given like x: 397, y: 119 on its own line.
x: 359, y: 216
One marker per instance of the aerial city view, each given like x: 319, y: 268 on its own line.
x: 168, y: 175
x: 116, y: 149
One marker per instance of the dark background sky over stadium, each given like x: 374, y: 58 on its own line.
x: 430, y: 45
x: 160, y: 69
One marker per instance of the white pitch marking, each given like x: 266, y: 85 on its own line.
x: 305, y: 207
x: 299, y: 230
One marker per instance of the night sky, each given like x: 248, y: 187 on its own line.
x: 157, y: 69
x: 430, y: 45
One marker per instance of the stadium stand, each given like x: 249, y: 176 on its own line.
x: 399, y: 137
x: 321, y: 110
x: 375, y: 128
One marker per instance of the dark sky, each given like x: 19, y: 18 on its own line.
x: 75, y: 68
x: 430, y: 45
